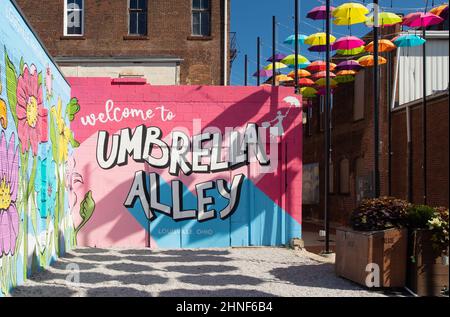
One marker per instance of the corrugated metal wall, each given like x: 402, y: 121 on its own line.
x: 410, y: 80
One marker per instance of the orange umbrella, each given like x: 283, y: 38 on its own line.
x: 319, y: 66
x: 306, y: 82
x: 346, y: 73
x: 383, y: 46
x: 301, y: 73
x: 369, y: 61
x: 283, y: 78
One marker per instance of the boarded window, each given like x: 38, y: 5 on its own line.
x: 359, y: 97
x: 74, y: 18
x: 344, y: 176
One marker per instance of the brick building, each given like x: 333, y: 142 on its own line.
x: 165, y: 42
x: 352, y: 161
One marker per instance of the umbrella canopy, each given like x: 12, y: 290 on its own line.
x: 369, y: 61
x: 345, y: 79
x: 302, y: 73
x: 291, y: 39
x: 319, y: 39
x: 350, y: 9
x: 349, y: 65
x: 350, y: 20
x: 385, y: 19
x: 306, y: 82
x: 278, y: 57
x: 346, y: 73
x: 441, y: 11
x: 320, y: 48
x: 355, y: 51
x: 421, y: 19
x: 322, y: 82
x: 263, y: 73
x: 290, y: 59
x: 409, y: 40
x: 319, y: 66
x: 383, y: 46
x: 283, y: 78
x: 322, y: 74
x: 348, y: 43
x: 308, y: 92
x: 319, y: 13
x: 278, y: 65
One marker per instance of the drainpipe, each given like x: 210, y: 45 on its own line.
x: 225, y: 42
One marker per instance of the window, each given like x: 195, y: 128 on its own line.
x: 344, y: 176
x: 201, y: 18
x: 137, y: 17
x: 359, y: 97
x: 74, y: 17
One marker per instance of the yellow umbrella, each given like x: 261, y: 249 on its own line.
x: 345, y: 79
x: 350, y: 9
x: 355, y: 51
x: 308, y: 92
x: 302, y: 73
x: 350, y: 20
x: 322, y: 82
x: 278, y: 65
x: 283, y: 78
x: 319, y: 39
x: 369, y: 61
x: 383, y: 46
x: 346, y: 73
x: 385, y: 19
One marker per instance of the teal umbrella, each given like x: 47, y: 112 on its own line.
x: 408, y: 40
x: 291, y: 39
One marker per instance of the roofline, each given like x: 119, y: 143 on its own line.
x: 41, y: 43
x: 440, y: 94
x: 118, y: 59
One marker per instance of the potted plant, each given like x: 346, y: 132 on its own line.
x: 428, y: 250
x: 373, y: 251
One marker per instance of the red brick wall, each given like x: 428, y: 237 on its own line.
x: 106, y: 24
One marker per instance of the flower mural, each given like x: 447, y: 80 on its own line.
x: 29, y: 108
x: 9, y: 174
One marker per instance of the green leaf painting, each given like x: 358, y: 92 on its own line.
x: 87, y: 207
x: 72, y: 108
x: 11, y: 86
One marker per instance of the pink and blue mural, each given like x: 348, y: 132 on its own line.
x: 35, y: 144
x: 186, y: 167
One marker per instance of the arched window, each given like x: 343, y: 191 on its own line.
x: 344, y: 176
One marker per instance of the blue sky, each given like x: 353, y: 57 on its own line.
x: 252, y: 18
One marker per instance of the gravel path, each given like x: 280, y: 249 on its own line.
x: 210, y: 272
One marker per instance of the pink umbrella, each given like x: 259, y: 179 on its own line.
x: 322, y: 74
x: 421, y: 19
x: 319, y: 13
x: 348, y: 43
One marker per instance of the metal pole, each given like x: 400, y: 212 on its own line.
x: 389, y: 117
x: 424, y: 121
x: 245, y: 70
x: 376, y: 104
x: 296, y: 47
x: 327, y: 132
x: 258, y: 61
x: 274, y: 29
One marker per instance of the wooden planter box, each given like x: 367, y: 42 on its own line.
x: 387, y: 248
x: 427, y: 275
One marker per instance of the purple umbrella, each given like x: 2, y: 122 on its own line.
x: 323, y: 91
x: 349, y: 65
x: 263, y: 73
x: 278, y: 57
x: 319, y: 13
x: 321, y: 48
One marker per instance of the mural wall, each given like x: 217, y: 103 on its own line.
x: 35, y: 144
x: 185, y: 167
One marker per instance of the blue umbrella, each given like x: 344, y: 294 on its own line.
x: 291, y: 39
x: 409, y: 40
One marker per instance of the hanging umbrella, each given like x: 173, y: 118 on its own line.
x: 320, y: 48
x: 283, y: 78
x: 421, y: 19
x: 319, y: 39
x: 278, y: 57
x: 308, y: 92
x: 322, y: 82
x: 383, y: 46
x: 348, y: 43
x: 350, y: 9
x: 355, y: 51
x: 306, y: 82
x: 323, y: 91
x: 291, y: 39
x: 345, y: 79
x: 346, y: 73
x: 322, y: 74
x: 319, y: 66
x: 369, y: 61
x: 408, y: 40
x: 302, y: 73
x: 263, y: 73
x: 349, y: 65
x: 319, y: 13
x: 441, y: 11
x: 385, y: 19
x: 278, y: 65
x: 290, y: 59
x: 350, y: 20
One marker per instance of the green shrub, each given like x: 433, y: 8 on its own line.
x: 419, y: 215
x: 380, y: 214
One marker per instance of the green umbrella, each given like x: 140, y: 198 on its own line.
x: 290, y: 60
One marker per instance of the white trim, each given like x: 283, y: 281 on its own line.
x: 82, y: 20
x: 225, y: 43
